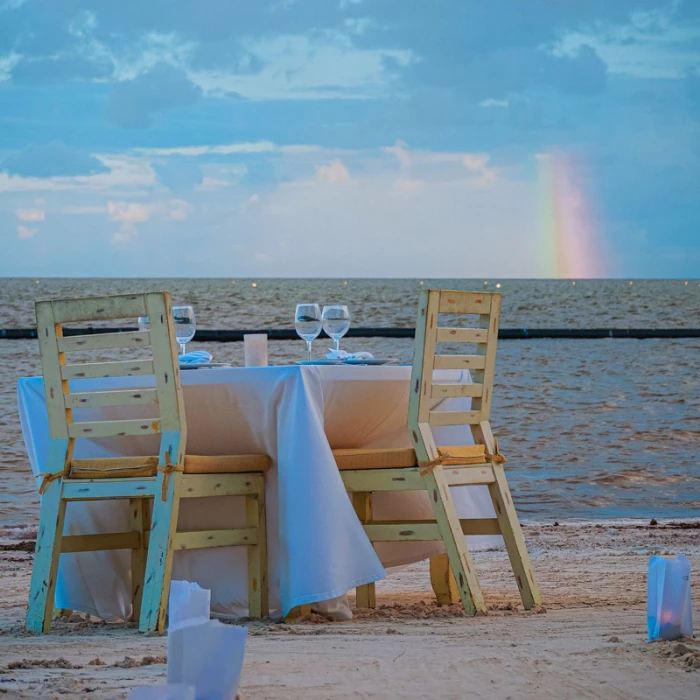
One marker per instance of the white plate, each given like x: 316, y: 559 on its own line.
x: 320, y: 362
x: 205, y: 365
x: 373, y: 361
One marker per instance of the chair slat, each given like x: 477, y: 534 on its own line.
x: 99, y: 308
x: 49, y: 334
x: 455, y: 391
x: 426, y: 334
x: 168, y: 383
x: 101, y: 341
x: 99, y: 543
x: 203, y: 539
x: 454, y: 417
x: 95, y: 370
x: 462, y: 335
x: 114, y: 428
x: 489, y: 353
x: 131, y: 397
x: 459, y: 362
x: 452, y: 302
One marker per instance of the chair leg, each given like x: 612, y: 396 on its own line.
x: 451, y: 532
x: 138, y: 520
x: 513, y: 536
x: 258, y: 603
x: 443, y: 580
x: 298, y: 612
x: 48, y: 550
x: 365, y: 595
x: 159, y: 562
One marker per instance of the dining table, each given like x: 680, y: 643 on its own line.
x: 296, y: 414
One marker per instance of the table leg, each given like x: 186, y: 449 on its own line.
x: 365, y: 596
x: 443, y: 580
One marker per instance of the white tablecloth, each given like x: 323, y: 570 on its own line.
x: 317, y: 547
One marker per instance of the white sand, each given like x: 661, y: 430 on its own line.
x: 590, y: 642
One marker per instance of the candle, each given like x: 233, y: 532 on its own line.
x: 255, y: 349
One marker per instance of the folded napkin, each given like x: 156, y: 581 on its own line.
x: 196, y: 357
x: 342, y: 355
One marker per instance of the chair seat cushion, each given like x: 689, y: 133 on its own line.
x: 397, y: 458
x: 226, y: 464
x: 125, y: 467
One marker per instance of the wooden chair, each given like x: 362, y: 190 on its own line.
x: 152, y: 484
x: 434, y: 469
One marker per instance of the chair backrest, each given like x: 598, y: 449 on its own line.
x: 425, y: 391
x: 163, y: 404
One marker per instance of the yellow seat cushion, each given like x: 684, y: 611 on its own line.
x: 397, y: 458
x: 125, y: 467
x: 226, y: 464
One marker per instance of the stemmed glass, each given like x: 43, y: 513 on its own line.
x: 184, y: 325
x: 336, y: 322
x: 307, y: 321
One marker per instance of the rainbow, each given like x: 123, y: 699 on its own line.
x: 571, y: 245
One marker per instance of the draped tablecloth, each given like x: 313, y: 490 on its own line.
x: 296, y: 414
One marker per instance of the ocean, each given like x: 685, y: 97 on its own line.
x: 593, y: 429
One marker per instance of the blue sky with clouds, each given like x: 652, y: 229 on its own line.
x: 349, y: 137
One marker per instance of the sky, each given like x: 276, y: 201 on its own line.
x: 351, y: 138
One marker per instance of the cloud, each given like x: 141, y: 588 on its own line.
x: 129, y: 212
x: 31, y: 214
x: 391, y: 217
x: 400, y: 151
x: 178, y: 174
x: 613, y: 81
x: 318, y: 64
x: 250, y: 202
x: 82, y: 210
x: 436, y: 166
x: 177, y: 210
x: 132, y: 104
x: 58, y: 70
x: 54, y: 159
x: 333, y: 173
x: 410, y: 186
x: 126, y: 234
x: 218, y: 149
x: 490, y: 102
x: 476, y: 161
x: 26, y: 232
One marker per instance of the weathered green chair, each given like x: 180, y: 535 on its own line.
x: 434, y: 469
x: 153, y: 484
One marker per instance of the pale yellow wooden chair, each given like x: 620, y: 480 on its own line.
x: 153, y: 484
x: 427, y: 467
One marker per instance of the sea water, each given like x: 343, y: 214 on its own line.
x: 592, y: 429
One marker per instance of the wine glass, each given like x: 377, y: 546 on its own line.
x: 307, y: 321
x: 184, y: 325
x: 336, y: 322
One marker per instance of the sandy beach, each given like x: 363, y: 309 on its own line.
x: 588, y: 642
